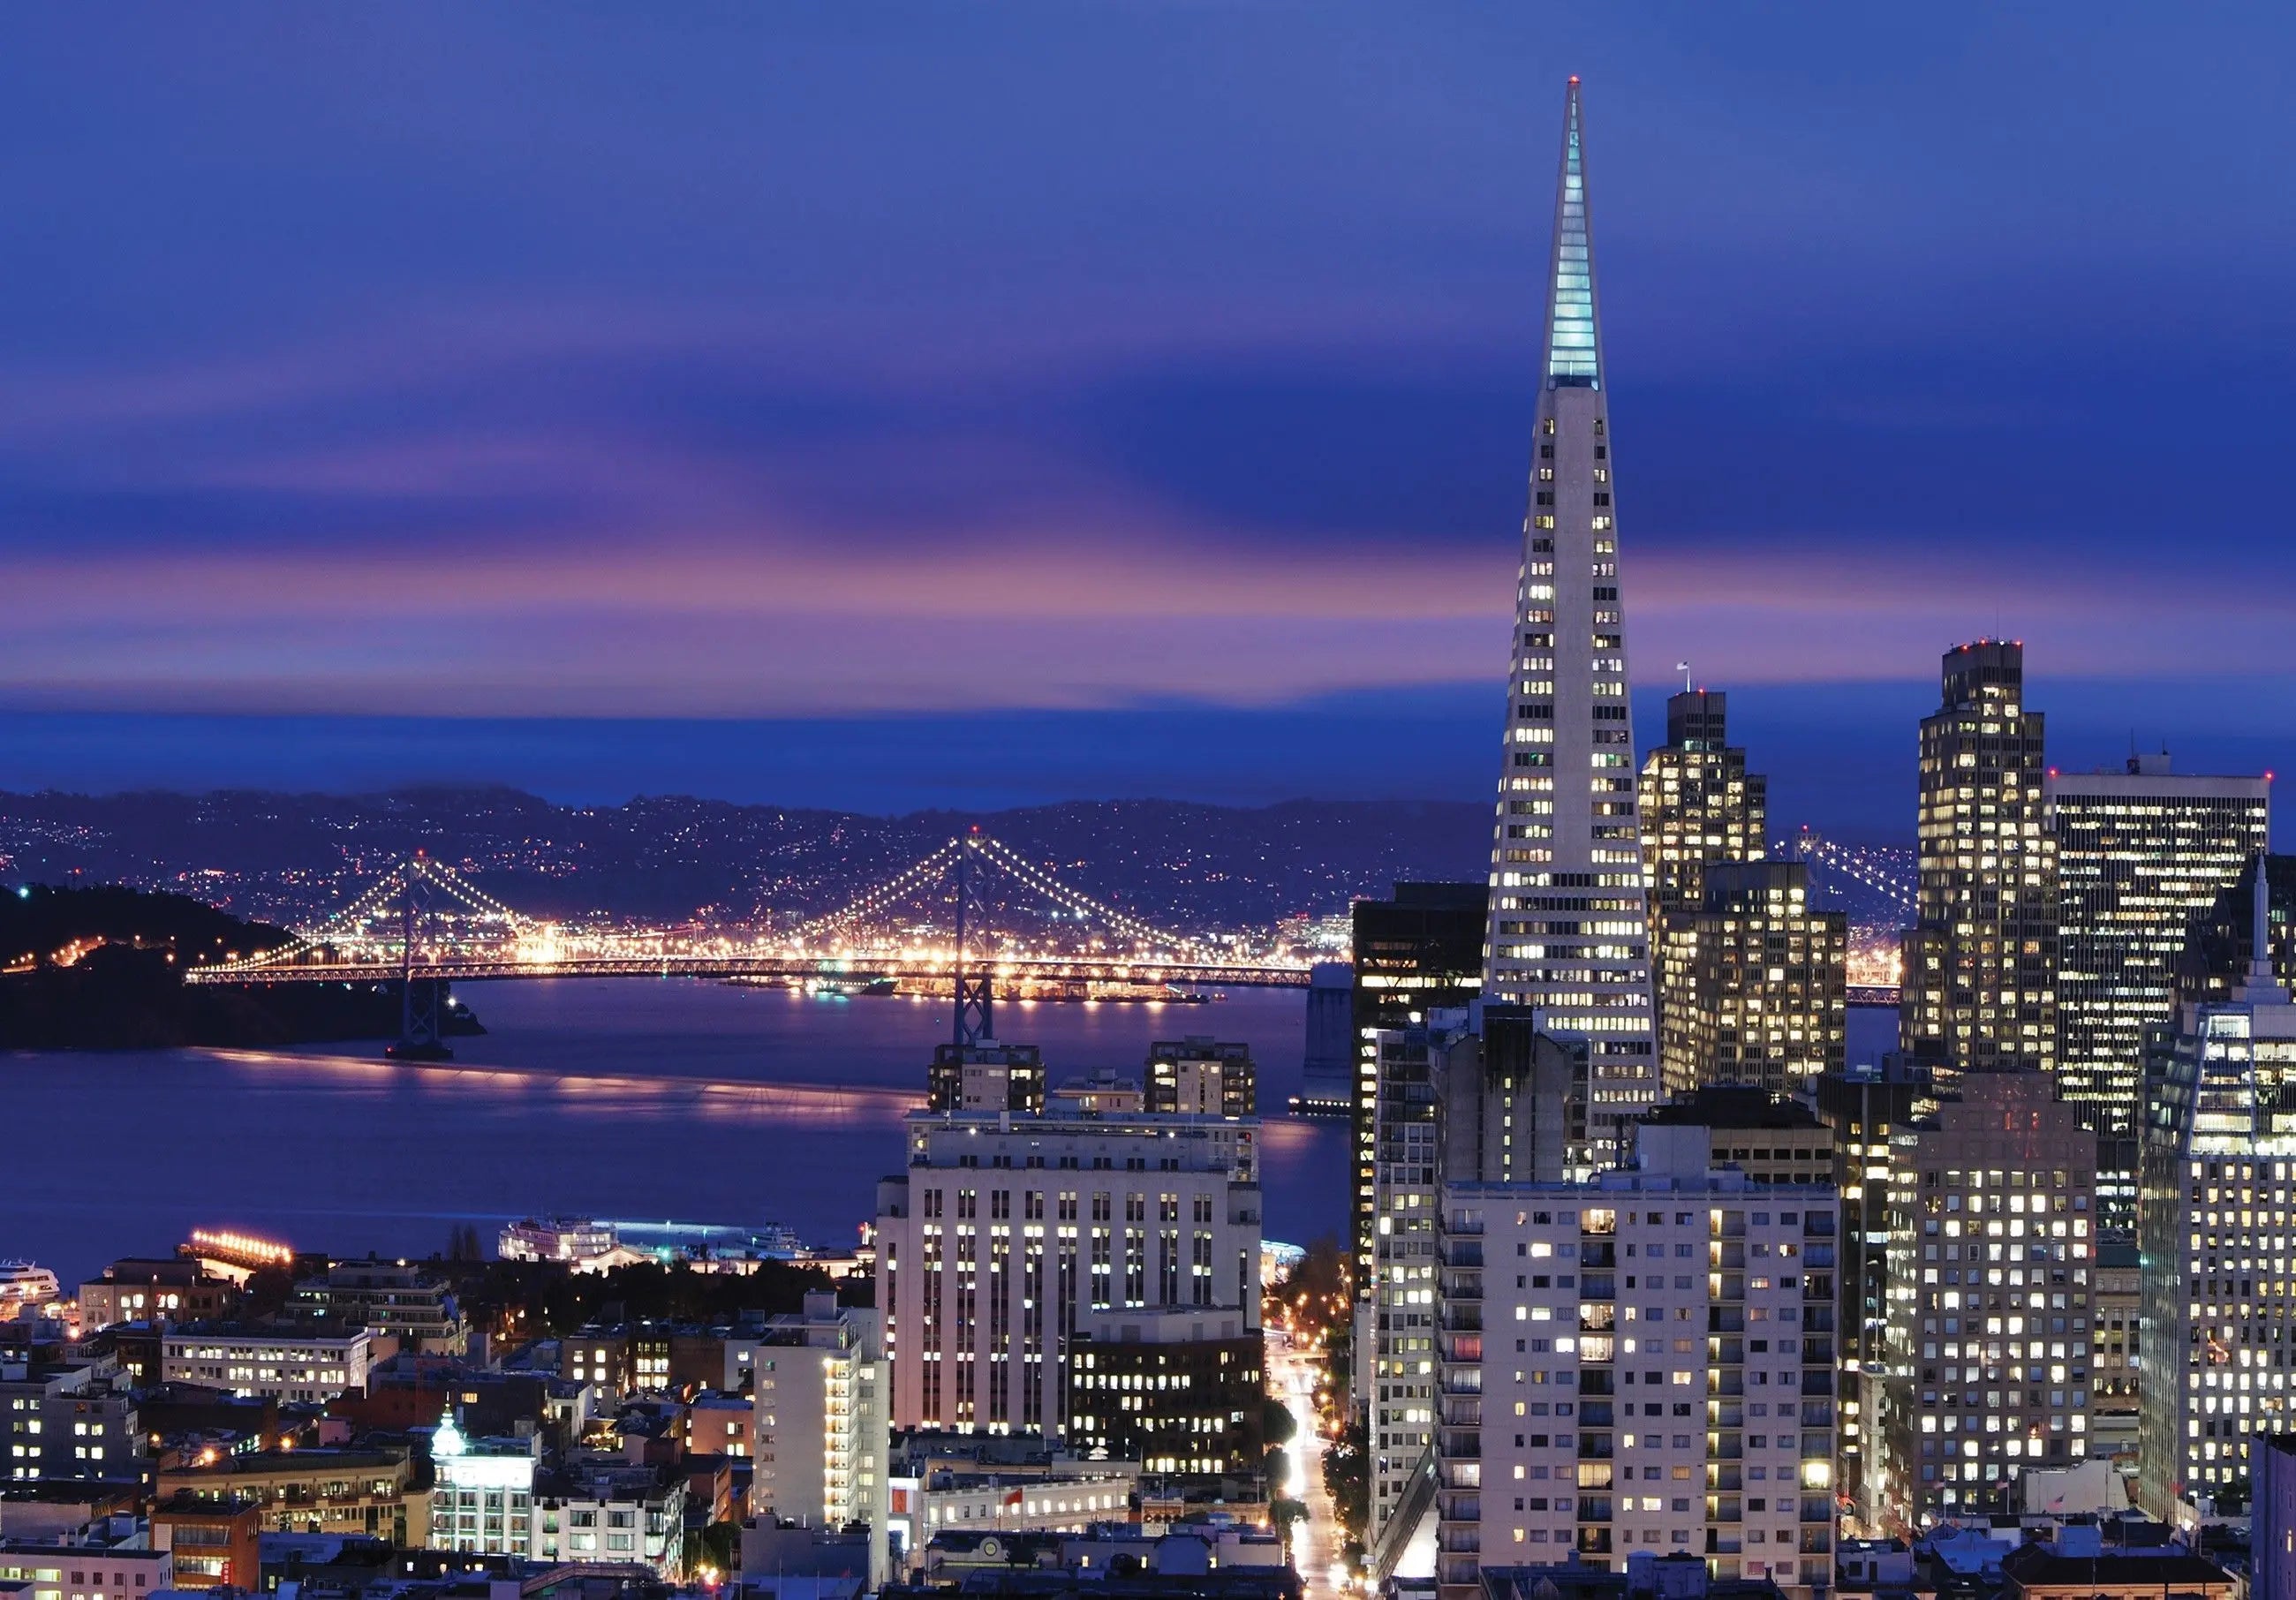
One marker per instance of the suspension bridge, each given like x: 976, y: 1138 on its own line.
x: 422, y: 924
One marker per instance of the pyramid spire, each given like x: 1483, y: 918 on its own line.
x: 1574, y: 351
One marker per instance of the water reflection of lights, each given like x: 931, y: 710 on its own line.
x: 822, y: 1104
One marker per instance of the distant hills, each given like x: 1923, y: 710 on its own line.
x: 284, y: 857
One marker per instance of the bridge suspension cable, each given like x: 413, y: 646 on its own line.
x: 1083, y: 904
x: 1811, y: 845
x: 370, y: 901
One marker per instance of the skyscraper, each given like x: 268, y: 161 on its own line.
x: 1417, y: 953
x: 1699, y: 803
x: 2219, y: 1251
x: 1992, y: 1240
x: 1568, y: 932
x: 1754, y: 985
x: 1981, y: 967
x: 2141, y: 854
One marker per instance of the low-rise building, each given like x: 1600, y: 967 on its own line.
x: 483, y: 1493
x: 216, y: 1543
x: 156, y: 1290
x: 284, y: 1364
x: 413, y: 1308
x: 2039, y: 1571
x: 112, y: 1560
x: 719, y: 1425
x: 331, y: 1491
x: 607, y: 1510
x: 1067, y: 1498
x: 65, y: 1414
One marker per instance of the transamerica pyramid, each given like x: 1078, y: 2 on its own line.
x: 1566, y: 933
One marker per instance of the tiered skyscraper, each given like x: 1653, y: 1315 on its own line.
x: 1568, y: 932
x: 1980, y: 968
x: 1750, y: 980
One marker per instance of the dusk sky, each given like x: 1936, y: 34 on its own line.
x: 969, y: 404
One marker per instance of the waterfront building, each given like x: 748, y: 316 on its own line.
x: 1177, y: 1391
x: 1415, y: 953
x: 1007, y: 1235
x: 283, y: 1365
x: 2218, y: 1246
x: 2141, y: 855
x: 1476, y: 1093
x: 1864, y: 1105
x: 1754, y: 981
x: 1200, y: 1076
x: 985, y: 1076
x: 416, y: 1310
x: 1980, y: 968
x: 156, y: 1290
x: 483, y: 1493
x: 1568, y: 932
x: 1639, y: 1364
x: 1699, y: 805
x: 1991, y: 1288
x: 575, y: 1241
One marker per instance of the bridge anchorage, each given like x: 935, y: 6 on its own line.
x: 422, y: 924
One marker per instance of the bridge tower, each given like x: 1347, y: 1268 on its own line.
x: 422, y: 1001
x: 975, y: 997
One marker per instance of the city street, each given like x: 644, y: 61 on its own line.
x: 1315, y: 1539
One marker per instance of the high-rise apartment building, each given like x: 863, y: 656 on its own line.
x: 1638, y: 1365
x: 1490, y: 1099
x: 1991, y: 1280
x: 1753, y: 981
x: 1007, y: 1235
x: 985, y: 1076
x: 1980, y: 993
x: 2141, y: 854
x: 1567, y: 922
x: 1699, y: 804
x: 1200, y: 1076
x: 2217, y: 1238
x: 1416, y: 953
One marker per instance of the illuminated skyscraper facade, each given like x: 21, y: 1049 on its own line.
x: 1699, y: 803
x: 1980, y: 968
x: 2216, y: 1236
x: 1753, y: 985
x: 2141, y: 854
x: 1568, y: 934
